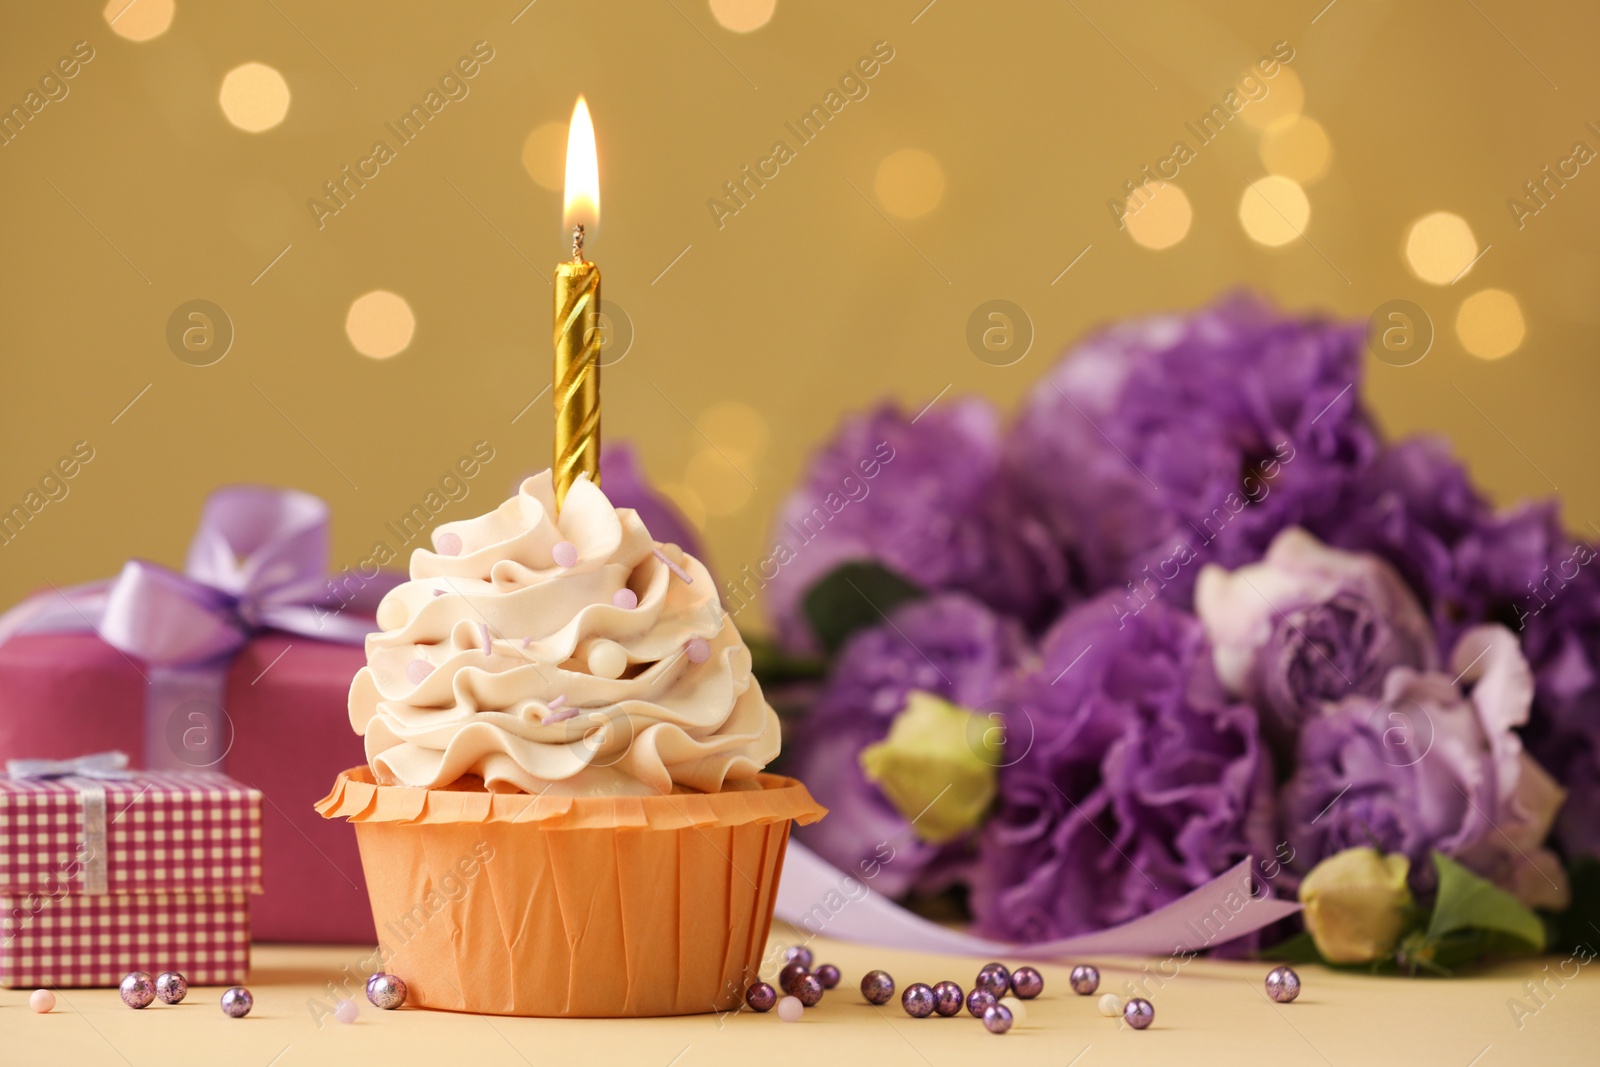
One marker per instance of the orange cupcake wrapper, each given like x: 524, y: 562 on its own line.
x: 572, y: 907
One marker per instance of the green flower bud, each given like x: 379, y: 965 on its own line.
x: 937, y: 766
x: 1357, y: 904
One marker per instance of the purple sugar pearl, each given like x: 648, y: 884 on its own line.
x: 807, y: 989
x: 171, y: 987
x: 1138, y: 1013
x: 626, y: 599
x: 761, y: 997
x: 799, y: 954
x: 138, y: 990
x: 917, y: 1000
x: 792, y: 970
x: 237, y: 1002
x: 877, y: 987
x: 980, y: 1001
x: 1084, y: 979
x: 1026, y: 983
x: 698, y: 650
x: 386, y: 991
x: 1283, y: 985
x: 565, y: 554
x: 994, y: 979
x: 828, y: 975
x: 997, y: 1019
x: 947, y: 998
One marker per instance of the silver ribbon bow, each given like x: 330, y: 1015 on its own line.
x: 94, y: 768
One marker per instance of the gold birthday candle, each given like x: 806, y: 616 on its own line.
x: 577, y: 318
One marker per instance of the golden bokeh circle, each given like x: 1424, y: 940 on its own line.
x: 1440, y: 247
x: 1285, y: 98
x: 909, y: 183
x: 139, y: 20
x: 733, y: 424
x: 743, y: 16
x: 1297, y: 148
x: 1274, y: 210
x: 1490, y: 324
x: 1158, y: 216
x: 544, y: 155
x: 254, y: 97
x: 380, y: 324
x: 718, y: 477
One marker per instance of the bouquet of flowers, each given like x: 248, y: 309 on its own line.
x: 1189, y: 607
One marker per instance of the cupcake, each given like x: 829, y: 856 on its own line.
x: 563, y: 811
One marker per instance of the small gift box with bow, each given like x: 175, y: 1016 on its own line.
x: 239, y: 664
x: 104, y: 871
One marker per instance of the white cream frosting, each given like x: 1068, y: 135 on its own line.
x: 536, y: 711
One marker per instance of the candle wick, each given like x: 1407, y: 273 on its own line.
x: 577, y: 243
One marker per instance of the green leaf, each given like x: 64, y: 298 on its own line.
x: 1577, y: 925
x: 1297, y: 949
x: 852, y: 597
x: 1466, y: 902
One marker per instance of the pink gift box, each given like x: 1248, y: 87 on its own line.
x: 286, y: 700
x: 152, y: 872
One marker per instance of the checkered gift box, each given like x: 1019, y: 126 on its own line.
x: 102, y: 877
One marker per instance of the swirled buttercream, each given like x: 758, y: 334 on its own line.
x: 495, y: 660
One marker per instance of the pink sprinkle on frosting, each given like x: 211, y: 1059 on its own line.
x: 565, y: 553
x: 449, y: 544
x: 557, y: 702
x: 679, y: 571
x: 417, y: 670
x: 698, y: 650
x: 626, y: 599
x: 561, y: 716
x: 488, y: 645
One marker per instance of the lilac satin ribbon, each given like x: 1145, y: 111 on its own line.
x: 816, y: 897
x: 258, y: 562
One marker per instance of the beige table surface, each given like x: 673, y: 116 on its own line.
x: 1212, y: 1013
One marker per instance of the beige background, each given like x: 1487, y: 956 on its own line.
x: 134, y: 194
x: 1211, y: 1013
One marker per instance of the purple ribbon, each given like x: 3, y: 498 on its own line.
x: 821, y: 900
x: 258, y: 562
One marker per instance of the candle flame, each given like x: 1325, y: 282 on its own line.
x: 581, y: 204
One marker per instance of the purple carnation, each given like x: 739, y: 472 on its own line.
x: 1141, y: 781
x: 949, y: 645
x: 1168, y: 441
x: 923, y: 497
x: 626, y: 486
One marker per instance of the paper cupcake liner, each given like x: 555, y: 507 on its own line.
x: 589, y: 907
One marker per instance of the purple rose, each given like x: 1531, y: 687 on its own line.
x: 1424, y: 766
x: 949, y: 645
x: 1167, y: 442
x: 1140, y: 780
x: 1307, y: 626
x: 923, y: 497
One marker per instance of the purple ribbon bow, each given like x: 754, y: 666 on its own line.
x: 258, y: 561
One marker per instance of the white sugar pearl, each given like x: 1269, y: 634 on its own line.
x: 1019, y: 1013
x: 42, y: 1001
x: 1110, y: 1005
x: 790, y: 1009
x: 346, y: 1011
x: 607, y: 659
